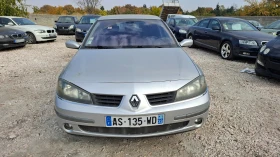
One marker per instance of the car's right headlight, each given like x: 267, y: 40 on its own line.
x: 40, y: 31
x: 71, y: 92
x: 266, y: 51
x: 78, y: 30
x: 193, y: 89
x: 71, y: 27
x: 182, y: 31
x: 248, y: 42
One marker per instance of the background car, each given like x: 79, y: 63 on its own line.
x: 66, y: 25
x: 230, y: 36
x: 256, y: 24
x: 180, y: 15
x: 35, y: 32
x: 272, y: 28
x: 84, y: 25
x: 131, y: 78
x: 10, y: 38
x: 268, y: 61
x: 179, y: 25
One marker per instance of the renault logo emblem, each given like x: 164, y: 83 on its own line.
x: 134, y: 101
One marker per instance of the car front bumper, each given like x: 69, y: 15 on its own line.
x: 45, y: 36
x: 89, y: 120
x: 65, y: 31
x: 268, y: 67
x: 10, y: 43
x: 80, y: 35
x: 246, y: 51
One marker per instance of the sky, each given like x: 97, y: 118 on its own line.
x: 189, y: 5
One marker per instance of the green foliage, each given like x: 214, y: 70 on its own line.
x: 13, y: 8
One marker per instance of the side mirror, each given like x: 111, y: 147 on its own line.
x: 77, y: 22
x: 55, y: 21
x: 216, y: 28
x: 186, y: 43
x: 10, y: 24
x: 278, y: 33
x: 72, y: 44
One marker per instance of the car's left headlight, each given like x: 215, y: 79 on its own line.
x: 193, y: 89
x: 40, y: 31
x: 71, y: 92
x: 182, y: 31
x: 266, y: 51
x: 248, y: 42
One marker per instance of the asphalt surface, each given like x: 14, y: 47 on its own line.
x: 244, y: 117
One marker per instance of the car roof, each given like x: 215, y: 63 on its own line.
x: 225, y: 18
x: 129, y: 16
x: 183, y: 16
x: 91, y: 15
x: 11, y: 17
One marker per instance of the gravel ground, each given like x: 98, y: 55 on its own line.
x: 244, y: 117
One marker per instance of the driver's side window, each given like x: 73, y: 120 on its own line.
x: 214, y: 23
x: 6, y: 21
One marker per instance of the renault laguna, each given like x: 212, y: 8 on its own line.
x: 131, y: 78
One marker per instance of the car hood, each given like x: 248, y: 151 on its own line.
x: 9, y: 31
x: 64, y: 24
x: 84, y: 27
x: 34, y: 27
x: 270, y: 31
x: 183, y: 27
x: 251, y: 35
x: 130, y: 66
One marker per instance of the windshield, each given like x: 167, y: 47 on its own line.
x: 185, y: 22
x: 255, y: 23
x: 130, y: 34
x: 274, y: 25
x: 23, y: 21
x: 66, y: 19
x: 237, y: 25
x: 88, y: 19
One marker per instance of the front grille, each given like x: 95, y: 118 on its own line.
x: 15, y: 36
x: 276, y: 60
x: 106, y: 100
x: 263, y: 43
x: 135, y: 131
x: 161, y: 99
x: 63, y: 27
x: 50, y: 31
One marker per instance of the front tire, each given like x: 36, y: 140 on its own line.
x: 31, y: 38
x: 226, y: 51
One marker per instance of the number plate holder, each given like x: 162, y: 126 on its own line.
x: 135, y: 121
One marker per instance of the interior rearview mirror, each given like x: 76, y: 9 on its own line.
x: 72, y: 44
x: 186, y: 43
x: 216, y: 28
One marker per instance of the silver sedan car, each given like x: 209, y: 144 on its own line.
x: 131, y: 78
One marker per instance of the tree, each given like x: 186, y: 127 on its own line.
x: 102, y: 8
x: 69, y: 9
x: 217, y: 10
x: 89, y: 5
x: 144, y: 6
x: 13, y: 8
x: 36, y: 9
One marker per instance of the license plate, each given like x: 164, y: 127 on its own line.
x: 141, y: 121
x: 52, y: 35
x: 19, y: 40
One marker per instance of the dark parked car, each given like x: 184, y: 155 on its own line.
x: 10, y: 38
x: 66, y: 25
x: 84, y: 25
x: 272, y: 28
x: 180, y: 25
x: 268, y: 62
x: 230, y: 36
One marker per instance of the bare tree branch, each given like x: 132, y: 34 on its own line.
x: 90, y: 6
